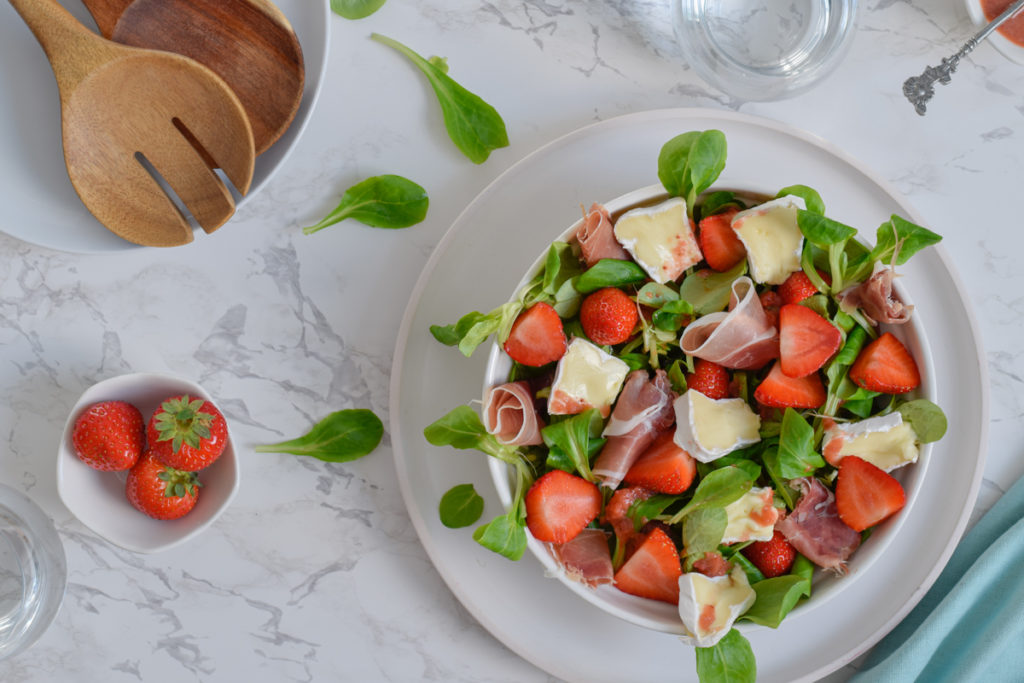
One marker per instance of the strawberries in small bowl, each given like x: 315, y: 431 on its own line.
x: 100, y: 499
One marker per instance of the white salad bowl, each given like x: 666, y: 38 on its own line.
x: 661, y: 616
x: 98, y: 498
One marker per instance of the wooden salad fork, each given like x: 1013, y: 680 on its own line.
x: 248, y: 43
x: 122, y: 105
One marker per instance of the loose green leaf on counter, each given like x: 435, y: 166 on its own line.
x: 460, y: 506
x: 356, y: 9
x: 340, y: 437
x: 384, y: 201
x: 474, y: 126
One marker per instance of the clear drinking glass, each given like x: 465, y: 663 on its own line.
x: 33, y: 572
x: 763, y: 49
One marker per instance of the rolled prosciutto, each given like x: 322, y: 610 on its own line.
x: 586, y: 557
x: 875, y: 297
x: 510, y: 415
x: 642, y: 411
x: 596, y: 237
x: 814, y: 527
x: 742, y: 338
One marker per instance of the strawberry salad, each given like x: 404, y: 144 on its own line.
x: 708, y: 397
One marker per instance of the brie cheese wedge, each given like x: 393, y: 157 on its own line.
x: 586, y: 377
x: 660, y: 239
x: 885, y: 441
x: 708, y: 428
x: 752, y: 517
x: 708, y: 606
x: 772, y: 237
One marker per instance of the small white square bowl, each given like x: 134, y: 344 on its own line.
x: 98, y: 498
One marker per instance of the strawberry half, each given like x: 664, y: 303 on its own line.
x: 865, y: 494
x: 608, y: 316
x: 885, y: 365
x: 537, y: 337
x: 559, y: 505
x: 664, y: 467
x: 806, y: 340
x: 709, y: 378
x: 774, y: 557
x: 796, y: 288
x: 722, y: 248
x: 778, y: 390
x: 653, y: 570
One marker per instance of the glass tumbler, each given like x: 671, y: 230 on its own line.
x: 763, y: 49
x: 33, y: 572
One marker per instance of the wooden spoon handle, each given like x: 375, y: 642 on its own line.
x: 106, y: 13
x: 73, y: 50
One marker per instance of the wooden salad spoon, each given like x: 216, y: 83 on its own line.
x: 121, y: 103
x: 248, y: 43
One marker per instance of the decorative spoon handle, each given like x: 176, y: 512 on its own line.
x: 919, y: 89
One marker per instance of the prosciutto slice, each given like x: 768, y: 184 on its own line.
x: 742, y: 338
x: 814, y: 527
x: 596, y: 237
x: 510, y: 415
x: 642, y: 411
x: 875, y: 297
x: 586, y: 557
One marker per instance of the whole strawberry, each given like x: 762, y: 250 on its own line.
x: 160, y: 491
x: 109, y: 436
x: 608, y: 316
x: 774, y: 557
x: 187, y: 433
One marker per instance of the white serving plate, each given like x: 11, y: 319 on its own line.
x: 662, y: 616
x: 478, y: 264
x: 37, y: 202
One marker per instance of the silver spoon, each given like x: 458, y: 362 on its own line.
x: 919, y: 89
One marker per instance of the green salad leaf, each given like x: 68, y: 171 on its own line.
x: 926, y: 418
x: 474, y: 126
x: 775, y: 598
x: 356, y: 9
x: 689, y: 163
x: 384, y: 201
x: 812, y: 200
x: 708, y: 291
x: 340, y: 437
x: 460, y: 506
x: 610, y: 273
x: 575, y: 440
x: 730, y: 660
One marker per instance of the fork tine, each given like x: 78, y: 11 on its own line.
x: 188, y: 174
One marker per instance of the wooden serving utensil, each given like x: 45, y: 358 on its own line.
x: 248, y: 43
x: 121, y: 103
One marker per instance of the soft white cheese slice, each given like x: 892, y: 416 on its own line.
x: 772, y: 238
x: 660, y: 239
x: 886, y: 441
x: 752, y: 517
x: 709, y: 428
x: 708, y: 606
x: 586, y: 377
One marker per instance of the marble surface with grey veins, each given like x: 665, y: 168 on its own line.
x: 315, y: 573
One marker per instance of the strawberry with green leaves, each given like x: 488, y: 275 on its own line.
x: 159, y: 491
x: 187, y: 433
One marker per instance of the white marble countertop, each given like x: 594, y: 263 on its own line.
x: 315, y: 572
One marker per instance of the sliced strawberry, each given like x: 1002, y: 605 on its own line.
x: 537, y: 337
x: 722, y: 248
x: 652, y: 571
x: 770, y: 304
x: 778, y: 390
x: 710, y: 379
x: 806, y: 340
x: 664, y: 467
x: 774, y: 557
x: 712, y: 564
x: 608, y: 316
x: 865, y: 494
x: 559, y: 505
x: 885, y: 365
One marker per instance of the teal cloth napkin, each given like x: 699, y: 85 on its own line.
x: 970, y: 625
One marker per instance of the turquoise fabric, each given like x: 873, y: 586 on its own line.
x: 970, y: 625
